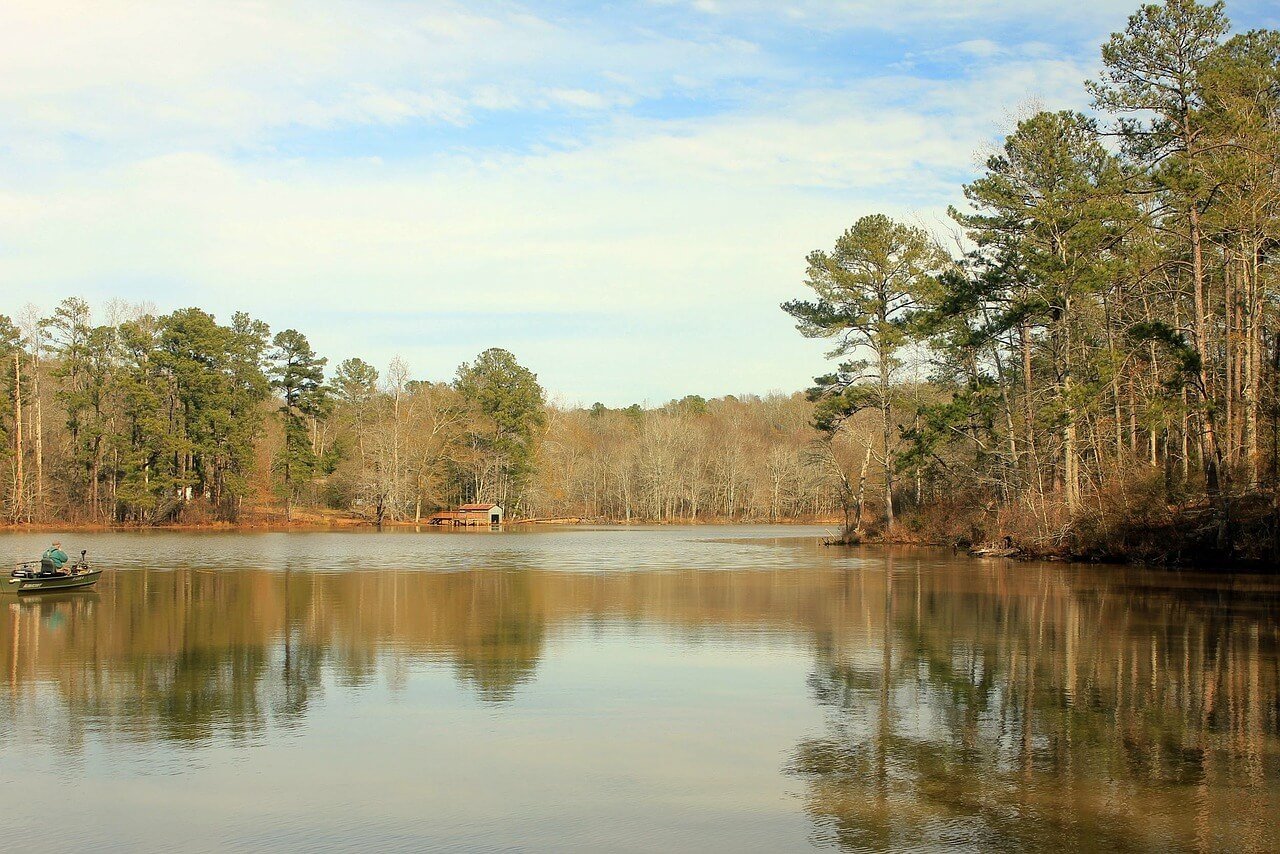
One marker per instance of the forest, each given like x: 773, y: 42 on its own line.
x: 147, y: 419
x: 1101, y: 337
x: 1086, y: 365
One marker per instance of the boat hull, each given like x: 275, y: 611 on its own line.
x: 50, y: 583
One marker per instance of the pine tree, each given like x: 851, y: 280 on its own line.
x: 297, y: 373
x: 1047, y: 215
x: 868, y: 287
x: 508, y: 408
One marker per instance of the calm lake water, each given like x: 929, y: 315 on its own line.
x: 678, y: 689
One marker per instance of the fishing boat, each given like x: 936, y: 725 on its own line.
x: 36, y: 577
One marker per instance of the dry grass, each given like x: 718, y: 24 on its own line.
x: 1133, y: 518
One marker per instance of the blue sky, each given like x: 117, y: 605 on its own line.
x: 620, y: 193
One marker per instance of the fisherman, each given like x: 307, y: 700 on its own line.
x: 53, y: 559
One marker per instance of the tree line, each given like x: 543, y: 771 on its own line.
x: 152, y: 419
x: 1101, y: 341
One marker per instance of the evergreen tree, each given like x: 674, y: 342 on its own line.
x: 879, y: 273
x: 249, y: 387
x: 355, y: 382
x: 1047, y: 215
x: 297, y: 373
x: 1151, y: 79
x: 145, y: 445
x: 508, y: 405
x: 213, y: 385
x: 69, y: 329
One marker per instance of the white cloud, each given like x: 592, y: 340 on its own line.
x: 218, y: 76
x: 984, y: 48
x: 586, y: 100
x: 147, y: 135
x: 700, y: 217
x: 876, y: 14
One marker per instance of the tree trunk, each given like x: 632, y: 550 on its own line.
x: 1115, y: 381
x: 39, y: 431
x: 862, y: 489
x: 1029, y: 441
x: 886, y: 423
x: 1210, y: 455
x: 19, y: 481
x: 288, y: 486
x: 1253, y: 363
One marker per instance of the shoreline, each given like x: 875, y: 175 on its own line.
x: 340, y: 524
x: 1186, y: 558
x: 356, y: 523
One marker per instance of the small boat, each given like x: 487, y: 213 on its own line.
x: 33, y: 577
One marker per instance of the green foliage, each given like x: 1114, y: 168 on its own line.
x: 188, y: 393
x: 297, y: 374
x: 1045, y: 216
x: 509, y: 404
x: 690, y: 404
x: 868, y: 285
x: 1172, y: 341
x: 840, y: 395
x: 1115, y: 309
x: 503, y: 390
x: 356, y: 382
x: 1150, y: 73
x: 870, y: 290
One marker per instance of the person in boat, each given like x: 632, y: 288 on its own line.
x: 53, y: 559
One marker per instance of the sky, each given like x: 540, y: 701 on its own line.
x: 620, y: 193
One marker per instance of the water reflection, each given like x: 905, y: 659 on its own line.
x: 1017, y: 709
x: 993, y: 706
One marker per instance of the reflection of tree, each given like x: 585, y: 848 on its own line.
x: 500, y: 650
x: 302, y: 661
x: 202, y: 688
x: 1027, y: 710
x: 1000, y: 707
x: 192, y: 655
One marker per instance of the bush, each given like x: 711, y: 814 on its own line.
x: 339, y: 492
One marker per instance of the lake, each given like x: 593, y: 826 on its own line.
x: 631, y: 689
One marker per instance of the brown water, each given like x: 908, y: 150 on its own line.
x: 695, y: 689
